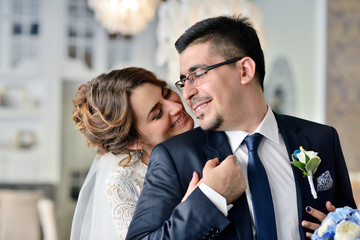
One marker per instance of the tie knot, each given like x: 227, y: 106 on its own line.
x: 252, y: 141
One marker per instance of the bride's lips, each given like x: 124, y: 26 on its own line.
x: 180, y: 120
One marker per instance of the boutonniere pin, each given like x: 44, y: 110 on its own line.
x: 307, y: 162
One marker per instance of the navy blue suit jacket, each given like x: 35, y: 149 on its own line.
x: 161, y: 215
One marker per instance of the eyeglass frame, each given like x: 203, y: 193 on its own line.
x: 181, y: 83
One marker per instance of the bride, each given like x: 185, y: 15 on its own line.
x: 123, y: 114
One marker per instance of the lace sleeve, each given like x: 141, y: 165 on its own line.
x: 122, y: 193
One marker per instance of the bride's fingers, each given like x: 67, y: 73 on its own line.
x: 194, y: 181
x: 330, y: 207
x: 315, y: 213
x: 192, y: 185
x: 310, y: 225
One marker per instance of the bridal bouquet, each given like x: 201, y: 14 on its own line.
x: 342, y: 224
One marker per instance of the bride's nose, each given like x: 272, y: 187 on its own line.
x: 174, y: 108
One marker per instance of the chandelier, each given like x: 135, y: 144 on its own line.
x: 175, y: 16
x: 124, y: 16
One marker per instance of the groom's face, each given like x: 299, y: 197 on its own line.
x: 212, y: 101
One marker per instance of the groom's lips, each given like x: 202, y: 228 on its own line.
x: 200, y: 107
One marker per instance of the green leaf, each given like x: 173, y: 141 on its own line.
x: 299, y: 165
x: 313, y: 164
x: 307, y: 159
x: 305, y: 173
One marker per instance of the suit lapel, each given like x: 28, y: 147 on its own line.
x: 217, y: 141
x: 240, y: 213
x: 293, y: 140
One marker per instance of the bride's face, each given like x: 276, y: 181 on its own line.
x: 159, y: 114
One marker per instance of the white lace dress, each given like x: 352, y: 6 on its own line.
x: 108, y: 198
x: 123, y: 188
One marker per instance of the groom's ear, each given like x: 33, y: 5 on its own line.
x: 248, y: 68
x: 136, y: 145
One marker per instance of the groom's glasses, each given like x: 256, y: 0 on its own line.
x: 197, y: 77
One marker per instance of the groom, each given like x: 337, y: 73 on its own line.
x: 222, y: 72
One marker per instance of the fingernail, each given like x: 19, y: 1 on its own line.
x: 308, y: 209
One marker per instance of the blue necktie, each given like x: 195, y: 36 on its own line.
x: 260, y: 191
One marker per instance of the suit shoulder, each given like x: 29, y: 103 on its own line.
x: 286, y: 119
x: 192, y: 136
x: 306, y: 127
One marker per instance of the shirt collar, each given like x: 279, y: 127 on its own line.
x: 268, y: 128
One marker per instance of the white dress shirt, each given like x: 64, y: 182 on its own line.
x: 273, y: 154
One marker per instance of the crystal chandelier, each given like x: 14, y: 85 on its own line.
x: 125, y: 16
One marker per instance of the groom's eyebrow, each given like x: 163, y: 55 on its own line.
x: 152, y: 109
x: 191, y: 69
x: 195, y: 67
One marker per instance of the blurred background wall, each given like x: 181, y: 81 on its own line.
x: 49, y: 47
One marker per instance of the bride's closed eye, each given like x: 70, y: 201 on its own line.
x: 166, y: 92
x: 158, y: 114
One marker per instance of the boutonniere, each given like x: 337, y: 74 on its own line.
x: 307, y: 162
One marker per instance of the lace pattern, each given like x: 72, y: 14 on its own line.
x: 324, y: 182
x: 123, y: 188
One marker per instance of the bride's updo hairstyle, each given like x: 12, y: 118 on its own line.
x: 102, y: 109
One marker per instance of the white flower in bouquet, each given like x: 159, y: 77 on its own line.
x: 347, y: 230
x: 343, y: 224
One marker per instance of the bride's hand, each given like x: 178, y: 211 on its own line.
x: 318, y: 215
x: 192, y: 185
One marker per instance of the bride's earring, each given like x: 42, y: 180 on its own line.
x: 141, y: 153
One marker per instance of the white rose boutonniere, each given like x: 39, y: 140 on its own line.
x: 307, y: 162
